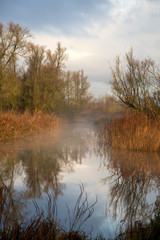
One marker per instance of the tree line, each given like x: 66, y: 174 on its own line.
x: 34, y: 78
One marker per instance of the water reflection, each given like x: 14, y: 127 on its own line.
x: 134, y: 183
x: 36, y: 166
x: 11, y: 201
x: 56, y: 162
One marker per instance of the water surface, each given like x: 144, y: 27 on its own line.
x: 125, y: 184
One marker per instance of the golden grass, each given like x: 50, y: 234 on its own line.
x: 135, y: 131
x: 13, y: 125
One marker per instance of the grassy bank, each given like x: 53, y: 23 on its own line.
x: 13, y: 125
x: 134, y: 131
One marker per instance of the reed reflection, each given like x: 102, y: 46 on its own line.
x: 134, y: 182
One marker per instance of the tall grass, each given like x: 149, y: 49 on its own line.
x: 13, y: 125
x: 134, y: 131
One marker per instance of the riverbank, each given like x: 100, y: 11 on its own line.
x: 14, y: 125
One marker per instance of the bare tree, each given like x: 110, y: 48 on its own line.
x: 133, y: 83
x: 76, y: 90
x: 13, y: 41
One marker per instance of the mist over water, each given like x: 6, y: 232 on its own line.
x: 126, y: 184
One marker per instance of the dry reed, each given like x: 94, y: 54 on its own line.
x: 13, y: 125
x: 134, y: 131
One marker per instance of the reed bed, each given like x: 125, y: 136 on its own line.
x: 13, y: 125
x: 134, y: 131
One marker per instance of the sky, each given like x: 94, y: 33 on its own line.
x: 94, y: 32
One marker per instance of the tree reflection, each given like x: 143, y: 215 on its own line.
x: 42, y: 171
x: 11, y: 202
x: 39, y: 165
x: 134, y: 182
x: 45, y: 165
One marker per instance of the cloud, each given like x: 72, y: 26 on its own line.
x: 129, y: 26
x: 93, y: 31
x: 69, y: 17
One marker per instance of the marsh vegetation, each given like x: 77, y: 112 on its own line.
x: 115, y: 162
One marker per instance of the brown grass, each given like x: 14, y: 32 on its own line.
x: 13, y: 125
x: 134, y: 131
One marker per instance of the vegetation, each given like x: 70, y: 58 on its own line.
x: 133, y: 176
x: 134, y: 131
x: 13, y: 125
x: 136, y: 85
x: 105, y: 104
x: 49, y: 227
x: 34, y: 86
x: 33, y: 81
x: 140, y: 231
x: 33, y: 78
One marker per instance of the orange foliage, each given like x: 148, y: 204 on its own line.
x: 134, y: 131
x: 13, y: 125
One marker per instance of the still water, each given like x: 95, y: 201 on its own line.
x: 125, y: 185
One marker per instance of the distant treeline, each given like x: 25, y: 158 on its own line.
x: 33, y: 78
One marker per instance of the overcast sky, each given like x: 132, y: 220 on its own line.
x: 93, y: 31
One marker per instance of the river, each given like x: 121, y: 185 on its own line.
x: 125, y: 186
